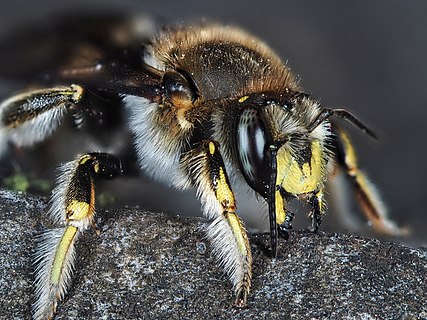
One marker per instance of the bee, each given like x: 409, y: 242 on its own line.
x: 210, y: 107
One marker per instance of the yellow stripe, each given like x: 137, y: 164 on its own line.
x: 61, y: 253
x: 96, y: 167
x: 350, y: 153
x: 78, y: 210
x: 238, y: 231
x: 226, y: 198
x: 280, y: 209
x: 243, y: 99
x: 85, y: 158
x: 223, y: 192
x: 211, y: 148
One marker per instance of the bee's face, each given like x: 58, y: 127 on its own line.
x: 286, y: 125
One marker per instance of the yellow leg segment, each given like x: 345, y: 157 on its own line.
x: 73, y: 209
x: 283, y: 217
x: 64, y: 246
x: 280, y: 209
x: 55, y: 260
x: 225, y: 197
x: 239, y: 232
x: 227, y: 232
x: 366, y: 193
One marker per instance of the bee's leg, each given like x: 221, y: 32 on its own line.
x: 72, y: 210
x: 226, y: 231
x: 283, y: 217
x: 318, y: 208
x: 31, y: 116
x: 366, y: 193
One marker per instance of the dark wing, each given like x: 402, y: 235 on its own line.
x: 101, y: 52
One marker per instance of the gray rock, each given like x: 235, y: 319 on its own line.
x: 152, y: 266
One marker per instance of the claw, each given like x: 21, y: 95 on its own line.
x: 241, y: 298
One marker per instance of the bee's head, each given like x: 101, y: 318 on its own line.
x: 297, y: 127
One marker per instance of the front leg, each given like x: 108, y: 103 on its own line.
x: 366, y: 193
x: 226, y: 232
x: 72, y: 210
x: 318, y: 208
x: 283, y: 216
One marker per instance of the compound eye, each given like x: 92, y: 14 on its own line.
x: 252, y: 145
x: 178, y: 91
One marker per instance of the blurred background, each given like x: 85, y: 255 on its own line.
x: 369, y: 56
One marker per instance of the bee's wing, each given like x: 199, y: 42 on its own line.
x: 101, y: 55
x: 75, y: 47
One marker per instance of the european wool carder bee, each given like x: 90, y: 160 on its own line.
x: 210, y: 107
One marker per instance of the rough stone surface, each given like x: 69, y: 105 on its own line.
x: 153, y: 266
